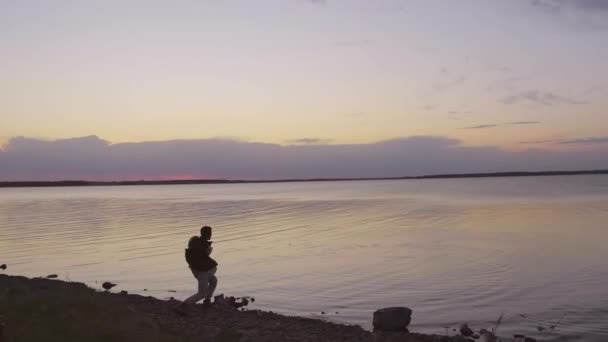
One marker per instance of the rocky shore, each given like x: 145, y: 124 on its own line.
x: 52, y: 310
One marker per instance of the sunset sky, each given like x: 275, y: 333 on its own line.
x: 521, y: 78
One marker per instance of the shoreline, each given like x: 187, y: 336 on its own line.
x: 41, y: 309
x: 78, y: 183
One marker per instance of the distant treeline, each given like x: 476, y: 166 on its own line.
x: 517, y: 174
x: 227, y: 181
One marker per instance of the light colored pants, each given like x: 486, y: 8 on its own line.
x: 207, y: 282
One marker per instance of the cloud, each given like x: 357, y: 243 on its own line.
x: 480, y: 126
x: 523, y: 123
x: 547, y: 5
x: 446, y: 83
x: 562, y: 5
x: 448, y: 80
x: 539, y: 98
x: 505, y: 124
x: 537, y: 142
x: 594, y: 89
x: 587, y: 141
x: 579, y: 14
x: 92, y: 158
x: 306, y: 141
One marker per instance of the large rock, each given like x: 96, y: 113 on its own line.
x: 465, y: 330
x: 392, y: 319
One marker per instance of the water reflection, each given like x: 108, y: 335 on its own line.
x: 454, y: 250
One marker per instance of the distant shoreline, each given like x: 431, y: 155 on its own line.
x: 65, y: 183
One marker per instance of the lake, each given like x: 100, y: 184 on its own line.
x: 454, y: 250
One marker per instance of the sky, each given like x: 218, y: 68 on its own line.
x: 300, y: 88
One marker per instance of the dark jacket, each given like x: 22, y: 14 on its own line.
x: 198, y: 259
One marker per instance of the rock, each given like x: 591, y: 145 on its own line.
x: 3, y: 266
x: 392, y: 319
x: 465, y: 330
x: 231, y: 301
x: 52, y: 276
x: 523, y: 338
x: 123, y: 292
x: 391, y: 336
x: 107, y: 285
x: 244, y: 302
x: 488, y: 336
x: 476, y: 336
x: 458, y: 338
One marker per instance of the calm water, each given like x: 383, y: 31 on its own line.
x: 453, y: 250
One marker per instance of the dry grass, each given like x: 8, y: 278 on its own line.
x: 72, y: 315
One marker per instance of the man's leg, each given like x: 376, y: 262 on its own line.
x: 203, y: 287
x: 212, y: 283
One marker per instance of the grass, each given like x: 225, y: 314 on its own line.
x: 43, y: 316
x: 495, y: 329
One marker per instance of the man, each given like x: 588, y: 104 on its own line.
x: 203, y: 267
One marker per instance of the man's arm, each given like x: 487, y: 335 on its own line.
x: 209, y: 249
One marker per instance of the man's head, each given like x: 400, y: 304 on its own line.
x: 206, y: 233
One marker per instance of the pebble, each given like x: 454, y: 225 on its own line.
x: 107, y: 285
x: 52, y: 276
x: 465, y: 330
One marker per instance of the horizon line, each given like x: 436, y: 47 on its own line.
x: 65, y: 183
